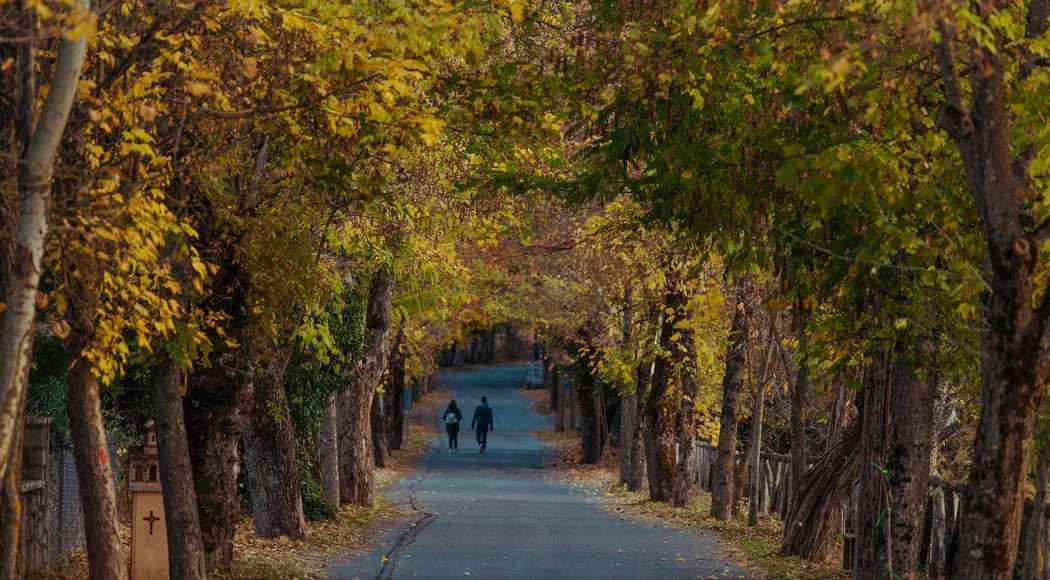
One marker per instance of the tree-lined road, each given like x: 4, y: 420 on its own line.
x: 503, y: 514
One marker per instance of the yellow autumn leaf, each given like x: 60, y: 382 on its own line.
x: 517, y: 11
x: 60, y: 328
x: 198, y: 89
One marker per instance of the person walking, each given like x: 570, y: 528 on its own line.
x: 452, y: 416
x: 482, y: 423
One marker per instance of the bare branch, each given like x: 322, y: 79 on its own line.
x: 954, y: 117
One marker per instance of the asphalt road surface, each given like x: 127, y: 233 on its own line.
x: 505, y: 514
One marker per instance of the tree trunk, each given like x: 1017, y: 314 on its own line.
x: 800, y: 391
x: 397, y: 394
x: 185, y: 546
x: 328, y: 453
x: 628, y: 421
x: 756, y: 452
x: 34, y: 198
x: 754, y: 445
x: 592, y: 441
x: 636, y: 469
x: 98, y: 494
x: 380, y: 409
x: 825, y: 486
x: 908, y: 460
x: 874, y: 515
x: 356, y: 459
x: 270, y: 458
x: 1014, y: 332
x: 11, y: 538
x: 661, y: 406
x: 740, y: 479
x: 732, y: 385
x: 683, y: 487
x: 1035, y: 527
x: 217, y: 408
x: 895, y: 466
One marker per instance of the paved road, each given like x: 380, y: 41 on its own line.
x: 504, y: 514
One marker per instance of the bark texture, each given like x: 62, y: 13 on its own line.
x: 396, y: 388
x: 377, y: 417
x: 628, y: 429
x: 1035, y: 526
x: 683, y: 487
x: 825, y: 486
x: 328, y: 453
x: 34, y: 197
x: 592, y: 411
x: 874, y: 515
x: 356, y: 462
x: 895, y: 461
x: 98, y: 494
x: 185, y: 546
x: 217, y: 408
x: 732, y: 386
x: 11, y: 498
x: 636, y: 469
x: 661, y: 407
x: 908, y: 461
x: 270, y: 459
x: 1014, y: 365
x: 800, y: 395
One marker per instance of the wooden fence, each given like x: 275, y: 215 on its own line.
x: 940, y: 523
x: 35, y: 453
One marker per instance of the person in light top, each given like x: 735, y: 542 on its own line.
x: 452, y: 416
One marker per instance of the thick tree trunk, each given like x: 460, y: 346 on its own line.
x: 397, y: 394
x: 825, y: 486
x: 356, y: 448
x: 661, y: 406
x: 98, y: 494
x: 732, y: 385
x: 185, y: 546
x: 683, y: 487
x: 592, y: 441
x: 356, y: 460
x: 800, y: 395
x: 378, y: 412
x: 11, y: 497
x: 874, y: 515
x: 740, y: 479
x: 1035, y: 526
x: 908, y: 460
x: 217, y: 408
x: 895, y: 462
x: 34, y: 198
x: 636, y: 470
x: 1014, y: 358
x: 328, y: 453
x: 270, y: 458
x: 628, y: 424
x: 755, y: 461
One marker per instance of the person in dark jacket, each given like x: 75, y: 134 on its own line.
x: 452, y: 416
x: 482, y: 423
